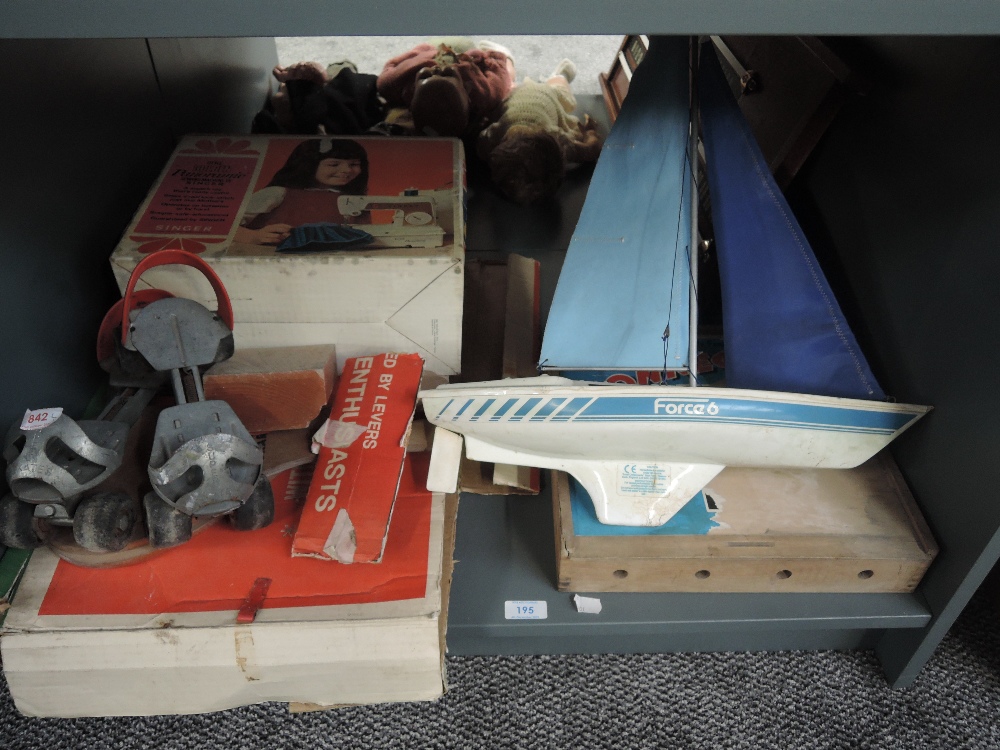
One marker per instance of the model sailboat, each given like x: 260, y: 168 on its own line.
x: 799, y: 392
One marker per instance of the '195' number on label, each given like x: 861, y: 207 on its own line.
x: 526, y: 610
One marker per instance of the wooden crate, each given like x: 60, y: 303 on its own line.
x: 788, y: 87
x: 615, y: 83
x: 816, y: 530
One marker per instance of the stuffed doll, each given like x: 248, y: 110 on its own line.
x: 312, y: 100
x: 449, y: 92
x: 537, y: 137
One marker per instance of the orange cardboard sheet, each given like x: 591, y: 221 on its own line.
x: 218, y: 568
x: 350, y: 502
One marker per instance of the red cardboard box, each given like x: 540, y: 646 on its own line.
x: 353, y: 490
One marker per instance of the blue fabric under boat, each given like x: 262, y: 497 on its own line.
x: 784, y: 330
x: 626, y: 275
x: 696, y: 517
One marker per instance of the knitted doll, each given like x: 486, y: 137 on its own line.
x: 530, y: 146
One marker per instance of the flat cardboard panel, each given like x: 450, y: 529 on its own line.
x: 352, y: 496
x: 522, y: 319
x: 483, y: 325
x: 829, y: 530
x: 502, y: 335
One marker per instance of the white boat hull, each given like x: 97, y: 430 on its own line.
x: 642, y: 452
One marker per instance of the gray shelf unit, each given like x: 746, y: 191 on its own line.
x: 902, y: 192
x: 505, y: 550
x: 256, y: 18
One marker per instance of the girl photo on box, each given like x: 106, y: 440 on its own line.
x: 325, y: 195
x: 299, y: 206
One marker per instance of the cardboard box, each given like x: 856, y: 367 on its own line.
x: 399, y: 291
x: 502, y: 335
x: 164, y: 636
x: 755, y: 530
x: 352, y: 495
x: 12, y: 564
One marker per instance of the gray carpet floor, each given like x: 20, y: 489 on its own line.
x: 737, y: 701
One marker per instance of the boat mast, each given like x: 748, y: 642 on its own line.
x: 693, y: 251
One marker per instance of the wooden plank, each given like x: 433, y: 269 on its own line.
x: 856, y: 530
x: 712, y: 574
x: 277, y: 388
x: 286, y: 449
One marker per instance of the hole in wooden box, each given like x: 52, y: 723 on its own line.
x: 620, y: 574
x: 782, y: 574
x: 702, y: 574
x: 866, y: 574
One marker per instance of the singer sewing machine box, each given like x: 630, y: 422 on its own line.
x: 359, y: 242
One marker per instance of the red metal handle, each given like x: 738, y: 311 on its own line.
x: 113, y: 318
x: 180, y: 258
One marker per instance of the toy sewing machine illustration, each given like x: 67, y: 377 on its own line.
x: 413, y: 219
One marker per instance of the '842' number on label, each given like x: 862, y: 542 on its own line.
x: 36, y: 419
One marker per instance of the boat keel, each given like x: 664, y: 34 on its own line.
x: 624, y: 493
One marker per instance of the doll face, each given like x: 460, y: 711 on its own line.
x: 337, y: 172
x: 432, y: 71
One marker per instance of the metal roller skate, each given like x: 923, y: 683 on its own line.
x: 52, y: 468
x: 203, y: 462
x: 57, y: 467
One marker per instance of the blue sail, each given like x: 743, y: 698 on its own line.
x: 783, y: 328
x: 625, y: 280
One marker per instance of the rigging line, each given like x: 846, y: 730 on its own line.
x: 691, y: 173
x: 663, y: 378
x: 685, y: 170
x: 692, y: 257
x: 694, y: 287
x: 677, y: 241
x: 693, y: 366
